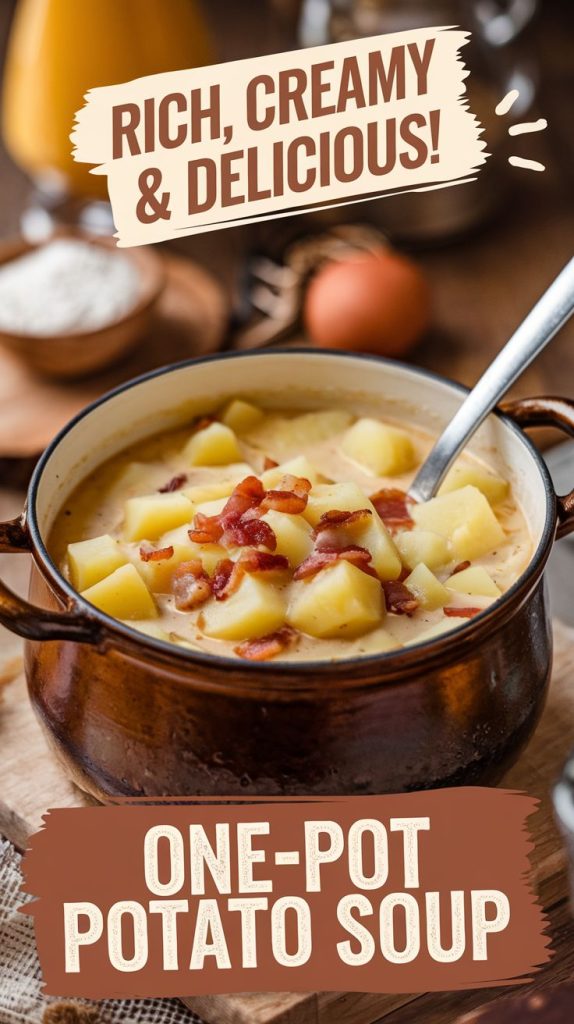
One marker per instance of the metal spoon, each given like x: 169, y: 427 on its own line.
x: 549, y: 314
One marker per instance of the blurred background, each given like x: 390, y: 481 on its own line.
x: 474, y: 258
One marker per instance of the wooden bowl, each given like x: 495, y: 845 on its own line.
x: 83, y: 352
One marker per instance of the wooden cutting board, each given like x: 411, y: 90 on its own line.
x: 31, y: 782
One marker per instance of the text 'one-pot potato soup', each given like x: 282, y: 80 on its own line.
x: 288, y: 535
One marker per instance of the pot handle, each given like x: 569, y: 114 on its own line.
x: 548, y: 412
x: 33, y: 623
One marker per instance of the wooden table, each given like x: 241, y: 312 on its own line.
x: 482, y: 286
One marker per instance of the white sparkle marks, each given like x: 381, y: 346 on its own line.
x: 507, y: 103
x: 528, y: 126
x: 528, y: 165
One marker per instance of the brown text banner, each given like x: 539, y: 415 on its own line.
x: 403, y: 893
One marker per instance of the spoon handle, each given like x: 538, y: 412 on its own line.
x: 549, y: 314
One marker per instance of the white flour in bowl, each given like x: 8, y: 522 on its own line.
x: 66, y: 286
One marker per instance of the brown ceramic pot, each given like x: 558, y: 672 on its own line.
x: 128, y: 714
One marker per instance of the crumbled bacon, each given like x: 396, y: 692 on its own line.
x: 203, y: 423
x: 267, y: 647
x: 322, y: 559
x: 228, y: 574
x: 284, y: 501
x: 206, y: 529
x: 221, y: 577
x: 175, y: 484
x: 399, y: 599
x: 247, y: 532
x: 329, y: 532
x: 393, y: 506
x: 191, y: 585
x: 461, y: 613
x: 269, y: 463
x: 157, y: 554
x: 460, y: 568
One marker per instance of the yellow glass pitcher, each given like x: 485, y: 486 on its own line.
x: 61, y: 48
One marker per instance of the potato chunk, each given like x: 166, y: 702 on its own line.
x: 466, y: 518
x: 215, y: 445
x: 494, y: 487
x: 293, y: 533
x: 90, y: 561
x: 379, y: 448
x: 341, y: 601
x: 284, y: 437
x: 425, y: 586
x: 146, y: 518
x: 123, y: 595
x: 370, y: 533
x: 299, y: 466
x: 257, y: 608
x: 423, y: 546
x: 474, y: 581
x: 220, y: 488
x: 241, y: 416
x: 158, y: 576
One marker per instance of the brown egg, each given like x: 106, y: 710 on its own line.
x: 375, y: 301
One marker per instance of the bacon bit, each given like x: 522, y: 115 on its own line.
x: 203, y: 423
x: 462, y: 613
x: 284, y: 501
x: 392, y: 505
x: 206, y: 529
x: 399, y: 599
x: 157, y: 555
x: 267, y: 647
x: 175, y: 484
x: 298, y: 484
x: 221, y: 578
x: 228, y: 574
x: 337, y: 518
x: 322, y: 559
x: 269, y: 463
x: 191, y: 585
x: 249, y: 532
x: 405, y: 573
x: 460, y: 568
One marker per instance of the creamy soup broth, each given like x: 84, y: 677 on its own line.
x: 337, y: 562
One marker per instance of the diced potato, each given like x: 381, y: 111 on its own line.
x: 494, y: 487
x: 283, y: 438
x: 346, y: 497
x: 220, y: 488
x: 90, y: 561
x: 341, y: 601
x: 123, y: 595
x: 425, y: 586
x: 371, y: 534
x: 158, y: 576
x: 241, y: 416
x: 256, y: 608
x: 146, y: 518
x: 293, y: 533
x: 215, y: 445
x: 423, y: 546
x: 211, y: 508
x: 210, y: 554
x: 474, y: 581
x: 379, y: 448
x: 466, y: 518
x: 294, y: 467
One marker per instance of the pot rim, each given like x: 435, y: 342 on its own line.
x: 395, y: 662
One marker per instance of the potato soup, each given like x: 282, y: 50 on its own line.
x: 289, y: 536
